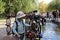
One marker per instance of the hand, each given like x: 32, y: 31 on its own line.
x: 18, y: 35
x: 36, y: 28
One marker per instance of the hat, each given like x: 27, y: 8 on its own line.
x: 37, y: 13
x: 20, y: 14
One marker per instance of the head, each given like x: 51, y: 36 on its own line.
x: 20, y: 15
x: 36, y: 12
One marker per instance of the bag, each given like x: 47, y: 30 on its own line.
x: 40, y: 35
x: 16, y: 28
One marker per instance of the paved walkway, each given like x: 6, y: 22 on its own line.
x: 7, y: 38
x: 50, y: 33
x: 3, y: 34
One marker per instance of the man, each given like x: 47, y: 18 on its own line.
x: 54, y: 14
x: 19, y: 19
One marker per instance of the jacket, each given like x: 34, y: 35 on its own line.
x: 20, y: 27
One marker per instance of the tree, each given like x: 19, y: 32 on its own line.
x: 54, y: 5
x: 20, y: 5
x: 42, y: 7
x: 2, y: 6
x: 24, y: 5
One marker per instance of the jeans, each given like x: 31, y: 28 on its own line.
x: 21, y: 38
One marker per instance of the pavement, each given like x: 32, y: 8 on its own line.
x: 8, y: 38
x: 50, y: 33
x: 3, y: 34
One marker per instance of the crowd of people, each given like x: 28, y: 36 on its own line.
x: 29, y: 25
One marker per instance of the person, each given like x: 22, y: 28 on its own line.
x: 8, y: 23
x: 54, y: 14
x: 19, y: 19
x: 47, y: 14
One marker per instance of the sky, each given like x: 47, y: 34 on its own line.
x: 46, y: 1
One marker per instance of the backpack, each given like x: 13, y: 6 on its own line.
x: 16, y: 28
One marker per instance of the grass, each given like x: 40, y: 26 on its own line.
x: 3, y: 21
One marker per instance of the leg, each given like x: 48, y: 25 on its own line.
x: 21, y: 38
x: 17, y: 38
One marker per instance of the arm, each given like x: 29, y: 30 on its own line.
x: 14, y: 28
x: 26, y: 25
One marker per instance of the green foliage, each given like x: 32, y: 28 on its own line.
x: 42, y: 7
x: 2, y: 6
x: 24, y: 5
x: 13, y: 6
x: 55, y: 4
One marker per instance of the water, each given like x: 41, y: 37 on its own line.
x: 49, y: 32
